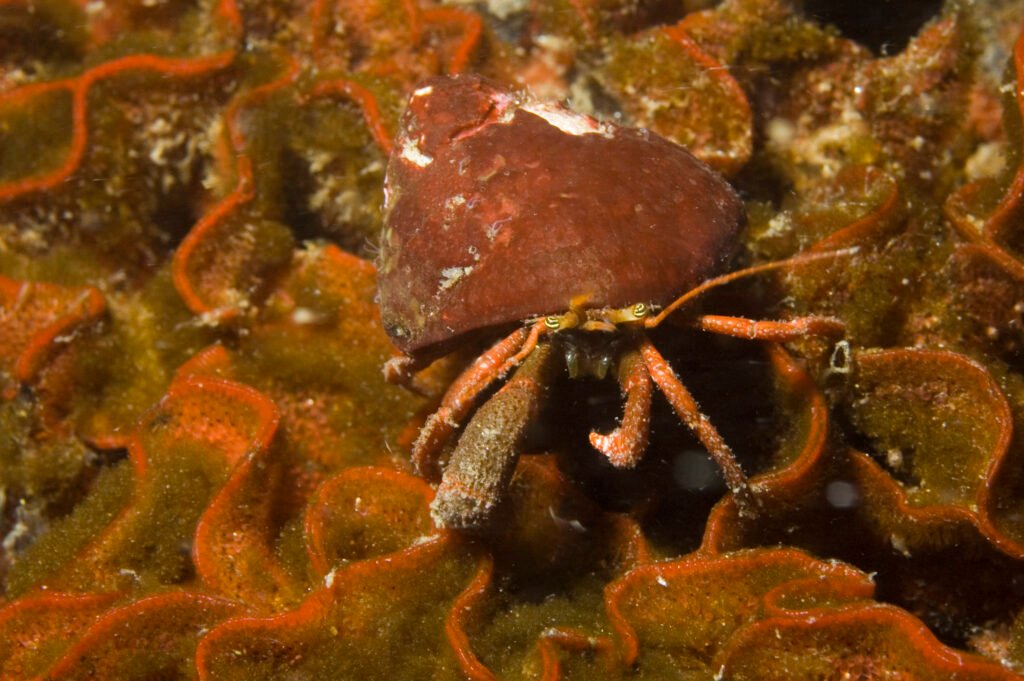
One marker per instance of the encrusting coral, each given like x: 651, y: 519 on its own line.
x: 203, y: 473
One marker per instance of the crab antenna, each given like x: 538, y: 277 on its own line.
x: 799, y: 259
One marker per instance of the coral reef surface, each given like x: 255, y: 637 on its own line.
x: 203, y: 473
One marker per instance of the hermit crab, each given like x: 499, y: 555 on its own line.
x: 565, y: 237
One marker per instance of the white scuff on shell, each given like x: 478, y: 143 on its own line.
x: 568, y: 121
x: 411, y: 153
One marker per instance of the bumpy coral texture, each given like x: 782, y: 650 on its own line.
x: 204, y: 475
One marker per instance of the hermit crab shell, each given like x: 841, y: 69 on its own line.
x: 499, y: 209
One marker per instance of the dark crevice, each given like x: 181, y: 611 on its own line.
x: 883, y: 26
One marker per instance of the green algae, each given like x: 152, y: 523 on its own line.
x: 58, y: 546
x: 127, y: 370
x: 37, y: 466
x: 643, y: 72
x: 337, y: 183
x: 939, y: 427
x: 48, y: 119
x: 399, y: 609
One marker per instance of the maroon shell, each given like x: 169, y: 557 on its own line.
x: 498, y: 210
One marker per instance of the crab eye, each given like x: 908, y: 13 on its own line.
x: 553, y: 322
x: 640, y: 310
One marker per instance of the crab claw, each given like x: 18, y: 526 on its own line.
x: 481, y: 466
x: 626, y: 444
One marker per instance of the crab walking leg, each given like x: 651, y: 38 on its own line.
x: 626, y: 444
x: 460, y: 397
x: 535, y: 332
x: 481, y: 466
x: 686, y: 408
x: 777, y: 331
x: 722, y: 280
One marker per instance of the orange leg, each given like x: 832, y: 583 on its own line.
x: 402, y: 369
x: 535, y: 332
x: 789, y: 263
x: 459, y: 399
x: 686, y: 408
x: 481, y: 466
x: 626, y: 444
x: 776, y: 331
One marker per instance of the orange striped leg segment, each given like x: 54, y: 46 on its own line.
x: 775, y: 331
x: 626, y: 444
x: 686, y: 408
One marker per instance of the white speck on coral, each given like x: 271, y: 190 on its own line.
x: 303, y: 315
x: 781, y: 132
x: 900, y: 544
